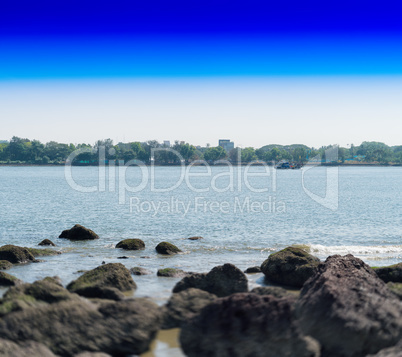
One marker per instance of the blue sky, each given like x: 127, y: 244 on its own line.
x: 185, y: 50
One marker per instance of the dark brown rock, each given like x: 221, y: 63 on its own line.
x: 395, y: 351
x: 23, y: 349
x: 166, y: 248
x: 195, y: 238
x: 8, y: 280
x: 272, y: 290
x: 392, y: 273
x: 131, y: 244
x: 246, y: 325
x: 5, y: 264
x: 47, y: 242
x: 253, y: 270
x: 67, y: 328
x: 348, y: 309
x: 184, y: 305
x: 171, y: 273
x: 140, y: 271
x: 79, y: 232
x: 221, y: 281
x: 15, y: 254
x: 290, y: 266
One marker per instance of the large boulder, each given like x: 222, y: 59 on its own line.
x: 24, y: 296
x: 106, y: 281
x: 24, y: 349
x: 348, y: 309
x: 291, y: 266
x: 8, y: 280
x: 68, y: 328
x: 392, y: 273
x: 78, y: 232
x: 5, y: 264
x: 246, y: 325
x: 47, y: 242
x: 15, y: 254
x: 131, y: 244
x: 221, y: 281
x: 166, y: 248
x: 184, y: 305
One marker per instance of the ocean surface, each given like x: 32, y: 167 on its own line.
x: 243, y: 215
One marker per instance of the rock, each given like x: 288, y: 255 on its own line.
x: 106, y: 281
x: 8, y: 280
x: 5, y: 264
x: 246, y: 325
x: 42, y: 252
x: 123, y: 257
x: 78, y: 232
x: 140, y: 271
x: 167, y: 248
x: 131, y: 244
x: 184, y: 305
x: 23, y: 349
x: 171, y: 273
x: 272, y: 290
x: 253, y: 270
x: 395, y: 351
x: 348, y: 309
x: 392, y: 273
x: 195, y: 238
x: 291, y: 266
x: 119, y: 328
x: 221, y: 281
x: 396, y: 288
x: 15, y: 254
x: 47, y: 242
x: 25, y: 296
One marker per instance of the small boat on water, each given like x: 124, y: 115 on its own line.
x: 285, y: 165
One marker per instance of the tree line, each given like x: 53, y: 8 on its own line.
x: 24, y: 151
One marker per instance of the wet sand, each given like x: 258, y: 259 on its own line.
x: 166, y: 344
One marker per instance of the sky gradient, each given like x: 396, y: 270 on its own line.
x: 198, y: 71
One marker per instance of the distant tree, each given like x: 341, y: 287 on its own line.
x: 215, y: 153
x: 248, y: 155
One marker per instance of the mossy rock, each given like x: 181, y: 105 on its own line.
x: 47, y: 242
x: 291, y: 266
x: 166, y: 248
x: 392, y: 273
x: 5, y: 264
x: 171, y: 273
x: 78, y: 232
x: 8, y: 280
x: 43, y: 252
x: 140, y: 271
x: 98, y: 282
x: 131, y: 244
x: 396, y: 288
x: 15, y: 254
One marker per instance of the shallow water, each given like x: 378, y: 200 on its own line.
x: 239, y: 225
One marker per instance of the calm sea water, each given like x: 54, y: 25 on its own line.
x: 241, y: 221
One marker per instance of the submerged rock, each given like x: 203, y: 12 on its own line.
x: 140, y: 271
x: 253, y: 270
x: 8, y: 280
x: 15, y: 254
x: 47, y: 242
x: 222, y: 281
x: 67, y: 328
x: 348, y: 309
x: 23, y: 349
x: 184, y: 305
x: 246, y: 325
x: 392, y: 273
x: 167, y: 248
x: 106, y: 281
x: 171, y: 273
x: 5, y: 264
x: 43, y: 252
x: 291, y: 266
x: 131, y: 244
x: 78, y: 232
x: 195, y: 238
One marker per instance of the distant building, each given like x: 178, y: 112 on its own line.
x: 226, y: 144
x: 166, y: 143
